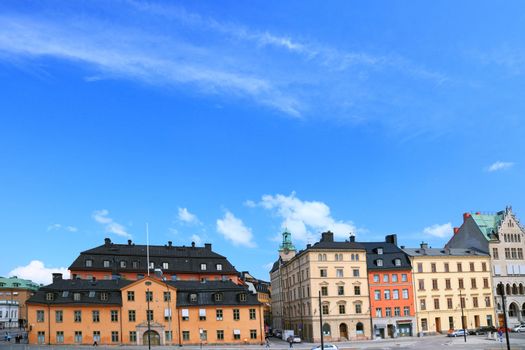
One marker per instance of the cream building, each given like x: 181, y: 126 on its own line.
x: 451, y: 284
x: 335, y: 270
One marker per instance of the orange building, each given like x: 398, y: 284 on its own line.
x: 129, y: 261
x: 391, y: 295
x: 116, y: 312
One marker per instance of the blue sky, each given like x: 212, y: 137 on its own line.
x: 225, y: 122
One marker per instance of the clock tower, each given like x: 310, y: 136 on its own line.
x: 287, y: 249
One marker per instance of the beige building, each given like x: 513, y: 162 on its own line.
x: 335, y: 270
x: 451, y: 284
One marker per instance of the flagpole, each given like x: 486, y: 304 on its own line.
x: 147, y: 246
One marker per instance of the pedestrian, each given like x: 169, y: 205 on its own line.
x: 500, y: 335
x: 290, y: 339
x: 267, y: 343
x: 95, y: 343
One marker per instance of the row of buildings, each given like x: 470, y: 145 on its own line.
x: 377, y: 289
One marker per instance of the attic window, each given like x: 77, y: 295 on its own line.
x: 65, y: 294
x: 91, y: 294
x: 106, y: 263
x: 76, y: 296
x: 203, y: 267
x: 89, y: 263
x: 135, y: 264
x: 193, y: 297
x: 242, y: 297
x: 379, y: 250
x: 379, y: 262
x: 219, y: 267
x: 218, y: 297
x: 122, y: 264
x: 50, y: 296
x: 397, y: 262
x: 104, y: 296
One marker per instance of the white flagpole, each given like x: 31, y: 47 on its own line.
x: 147, y: 245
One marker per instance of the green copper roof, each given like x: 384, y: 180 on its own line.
x: 18, y: 283
x: 287, y: 241
x: 488, y: 223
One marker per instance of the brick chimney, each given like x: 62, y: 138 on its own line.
x: 327, y: 236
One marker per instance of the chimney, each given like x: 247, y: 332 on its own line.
x: 352, y: 238
x: 478, y: 213
x: 466, y: 216
x: 207, y: 246
x: 193, y: 244
x: 402, y: 247
x: 308, y: 246
x: 327, y: 236
x: 129, y: 241
x: 107, y: 242
x: 424, y: 245
x: 391, y: 239
x: 57, y: 277
x: 456, y: 230
x: 170, y: 243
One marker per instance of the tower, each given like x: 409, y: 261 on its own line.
x: 286, y: 249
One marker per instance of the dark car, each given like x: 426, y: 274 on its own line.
x: 482, y: 330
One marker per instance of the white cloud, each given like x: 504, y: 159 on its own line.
x: 56, y: 227
x: 197, y: 239
x: 250, y: 204
x: 101, y: 216
x: 234, y: 230
x: 500, y: 166
x: 268, y: 266
x: 437, y: 230
x: 71, y: 228
x: 306, y: 219
x: 37, y: 272
x: 185, y: 216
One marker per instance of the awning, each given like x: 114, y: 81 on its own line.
x: 404, y: 321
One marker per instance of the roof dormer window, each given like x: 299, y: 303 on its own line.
x: 379, y: 262
x: 193, y: 297
x: 76, y: 296
x: 203, y: 267
x: 104, y: 296
x: 89, y: 263
x: 218, y: 297
x: 122, y: 264
x: 219, y: 267
x: 397, y: 262
x: 379, y: 251
x: 242, y: 297
x: 50, y: 296
x: 106, y: 263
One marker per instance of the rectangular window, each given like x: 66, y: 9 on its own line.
x: 185, y: 314
x: 339, y: 273
x: 218, y: 314
x: 322, y: 273
x: 405, y: 293
x: 460, y: 283
x: 122, y: 264
x: 397, y: 311
x: 41, y: 337
x: 76, y: 296
x: 149, y: 315
x: 485, y: 282
x: 89, y: 263
x: 236, y: 334
x: 203, y: 267
x: 340, y: 290
x: 483, y: 266
x: 60, y: 337
x: 507, y: 253
x: 423, y: 304
x: 342, y: 309
x: 355, y: 272
x: 106, y: 263
x: 394, y: 278
x: 220, y: 334
x: 406, y: 311
x: 132, y: 315
x: 434, y: 284
x: 165, y: 265
x: 377, y: 295
x: 218, y: 267
x: 135, y: 264
x: 253, y: 334
x: 419, y: 267
x: 388, y: 312
x: 450, y: 322
x: 202, y: 314
x: 132, y: 336
x: 59, y: 316
x: 471, y: 267
x: 424, y: 324
x: 77, y: 316
x: 436, y: 304
x: 449, y: 303
x: 404, y: 277
x: 376, y: 278
x: 357, y: 308
x: 462, y: 302
x: 387, y: 294
x: 421, y: 284
x: 236, y: 315
x: 131, y: 296
x: 78, y: 337
x: 475, y: 302
x: 495, y: 254
x: 114, y: 337
x: 186, y: 335
x: 460, y: 267
x: 447, y: 283
x: 168, y: 336
x: 357, y: 290
x: 473, y: 283
x: 395, y: 294
x: 324, y: 291
x: 167, y: 296
x: 487, y: 301
x: 252, y: 314
x: 95, y: 315
x: 379, y: 312
x: 325, y: 309
x: 433, y: 267
x: 149, y: 296
x: 114, y: 315
x: 385, y: 278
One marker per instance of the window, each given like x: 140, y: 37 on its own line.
x: 485, y: 282
x: 387, y: 294
x: 434, y: 284
x: 204, y: 335
x: 41, y: 337
x: 114, y: 337
x: 377, y: 295
x: 151, y: 265
x: 395, y: 294
x: 132, y: 336
x: 218, y: 267
x: 520, y: 253
x: 507, y: 253
x: 388, y: 312
x: 379, y: 312
x: 475, y: 302
x: 40, y: 315
x: 203, y: 267
x: 339, y: 273
x: 114, y: 315
x: 325, y: 309
x: 462, y: 302
x: 484, y: 266
x: 471, y: 267
x: 342, y: 309
x: 423, y: 304
x: 405, y: 293
x: 433, y: 267
x: 357, y: 308
x: 473, y: 283
x: 460, y: 282
x: 78, y: 337
x: 167, y: 296
x: 397, y: 311
x: 220, y: 334
x: 122, y: 264
x: 397, y: 262
x: 185, y: 314
x: 91, y: 294
x: 376, y: 278
x: 421, y: 284
x: 460, y: 267
x: 77, y: 316
x: 89, y: 263
x: 252, y: 314
x: 95, y: 316
x: 253, y: 334
x: 487, y: 301
x: 404, y: 277
x: 60, y: 337
x: 186, y: 335
x: 394, y: 278
x: 236, y: 315
x: 379, y: 262
x: 424, y: 324
x: 202, y: 314
x: 436, y: 304
x: 449, y: 303
x: 357, y: 290
x: 132, y: 315
x: 446, y: 267
x: 495, y: 254
x: 149, y: 315
x: 218, y: 314
x: 447, y: 283
x: 322, y: 273
x: 149, y: 295
x: 106, y: 263
x: 59, y: 316
x: 406, y: 311
x: 76, y: 296
x: 324, y: 291
x: 385, y: 278
x: 379, y: 250
x: 419, y: 267
x: 168, y: 336
x: 104, y: 296
x: 340, y: 290
x: 50, y: 296
x: 236, y: 334
x: 131, y: 296
x: 135, y: 264
x: 193, y: 297
x: 355, y: 272
x: 165, y: 265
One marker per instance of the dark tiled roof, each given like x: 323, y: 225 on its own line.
x: 390, y: 253
x: 443, y: 252
x: 90, y: 292
x: 337, y: 245
x: 206, y: 293
x: 180, y: 259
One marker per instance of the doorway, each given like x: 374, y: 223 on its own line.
x: 438, y: 324
x: 154, y: 338
x: 343, y: 331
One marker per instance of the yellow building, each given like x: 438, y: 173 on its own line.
x: 452, y: 288
x: 335, y: 270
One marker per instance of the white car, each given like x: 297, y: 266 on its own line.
x: 519, y: 329
x: 295, y: 339
x: 326, y: 347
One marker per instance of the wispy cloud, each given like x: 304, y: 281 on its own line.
x: 437, y: 230
x: 110, y: 225
x: 234, y: 230
x: 496, y: 166
x: 186, y: 217
x: 57, y: 227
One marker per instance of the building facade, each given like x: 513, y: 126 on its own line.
x: 130, y: 261
x: 14, y: 293
x: 500, y: 235
x: 452, y: 289
x: 391, y: 293
x: 149, y: 310
x: 327, y: 277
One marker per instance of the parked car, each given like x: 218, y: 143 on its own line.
x: 294, y: 339
x: 326, y: 347
x: 482, y: 330
x: 457, y: 333
x: 519, y: 329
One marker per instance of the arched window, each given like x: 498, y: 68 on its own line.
x: 324, y: 257
x: 359, y: 328
x: 513, y: 310
x: 357, y: 257
x: 326, y: 329
x: 320, y: 258
x: 514, y: 289
x: 522, y: 290
x: 523, y: 309
x: 353, y: 257
x: 508, y: 289
x: 379, y: 262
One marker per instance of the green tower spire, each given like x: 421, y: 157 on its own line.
x: 287, y: 244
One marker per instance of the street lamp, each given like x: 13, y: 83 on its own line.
x: 321, y: 321
x: 148, y: 295
x: 461, y: 302
x: 501, y: 291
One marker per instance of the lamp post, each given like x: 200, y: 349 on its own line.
x: 321, y: 321
x: 501, y: 291
x: 461, y: 302
x: 148, y: 295
x: 168, y: 299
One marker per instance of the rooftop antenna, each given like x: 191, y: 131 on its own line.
x: 147, y: 245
